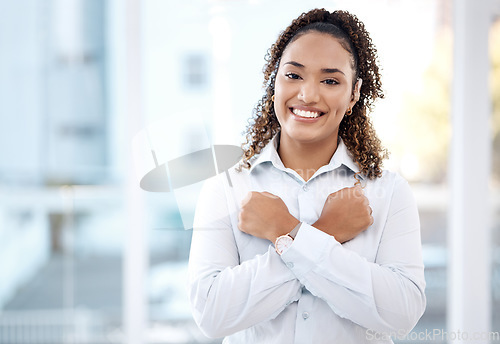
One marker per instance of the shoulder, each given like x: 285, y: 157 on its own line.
x: 228, y: 179
x: 239, y: 173
x: 391, y: 185
x: 220, y: 195
x: 401, y: 194
x: 391, y: 178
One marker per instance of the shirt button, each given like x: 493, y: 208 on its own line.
x: 305, y: 187
x: 305, y: 315
x: 290, y: 265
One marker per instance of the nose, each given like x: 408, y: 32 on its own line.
x: 309, y: 92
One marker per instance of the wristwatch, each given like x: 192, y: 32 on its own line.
x: 283, y: 242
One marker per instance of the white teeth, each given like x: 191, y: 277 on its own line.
x: 308, y: 114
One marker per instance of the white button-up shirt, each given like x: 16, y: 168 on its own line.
x: 367, y: 290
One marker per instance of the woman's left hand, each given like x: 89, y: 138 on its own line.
x: 265, y: 215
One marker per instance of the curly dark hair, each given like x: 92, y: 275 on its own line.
x: 356, y: 130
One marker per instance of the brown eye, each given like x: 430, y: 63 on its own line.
x: 292, y: 76
x: 330, y: 82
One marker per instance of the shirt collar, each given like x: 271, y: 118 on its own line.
x: 269, y: 154
x: 342, y: 156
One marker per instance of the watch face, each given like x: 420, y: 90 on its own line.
x: 282, y: 243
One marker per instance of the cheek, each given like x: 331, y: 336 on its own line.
x: 279, y: 110
x: 283, y: 89
x: 278, y: 90
x: 281, y: 97
x: 339, y: 101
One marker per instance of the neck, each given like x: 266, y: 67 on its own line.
x: 306, y: 158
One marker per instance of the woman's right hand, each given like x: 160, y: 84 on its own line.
x: 346, y: 213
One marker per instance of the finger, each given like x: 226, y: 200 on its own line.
x: 358, y: 190
x: 364, y: 200
x: 370, y: 209
x: 333, y: 196
x: 341, y: 192
x: 268, y: 194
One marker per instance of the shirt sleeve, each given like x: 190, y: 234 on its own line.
x: 228, y: 296
x: 386, y: 295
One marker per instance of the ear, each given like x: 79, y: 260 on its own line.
x: 357, y: 91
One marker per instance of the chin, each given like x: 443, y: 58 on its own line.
x: 305, y: 137
x: 311, y: 136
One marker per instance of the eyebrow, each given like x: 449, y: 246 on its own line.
x: 323, y: 70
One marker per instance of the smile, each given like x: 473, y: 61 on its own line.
x: 306, y: 114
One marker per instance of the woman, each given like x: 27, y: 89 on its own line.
x: 309, y: 241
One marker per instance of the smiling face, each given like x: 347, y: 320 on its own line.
x: 314, y: 89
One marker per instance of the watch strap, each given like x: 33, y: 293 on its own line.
x: 295, y: 230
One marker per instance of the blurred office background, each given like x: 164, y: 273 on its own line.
x: 89, y: 87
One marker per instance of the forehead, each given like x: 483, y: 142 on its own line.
x: 317, y: 50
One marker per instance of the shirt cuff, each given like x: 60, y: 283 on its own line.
x: 308, y: 249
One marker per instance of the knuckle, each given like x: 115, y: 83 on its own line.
x: 369, y: 221
x: 243, y: 216
x: 246, y: 199
x: 254, y: 194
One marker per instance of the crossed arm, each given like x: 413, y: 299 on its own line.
x: 229, y: 296
x: 345, y: 214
